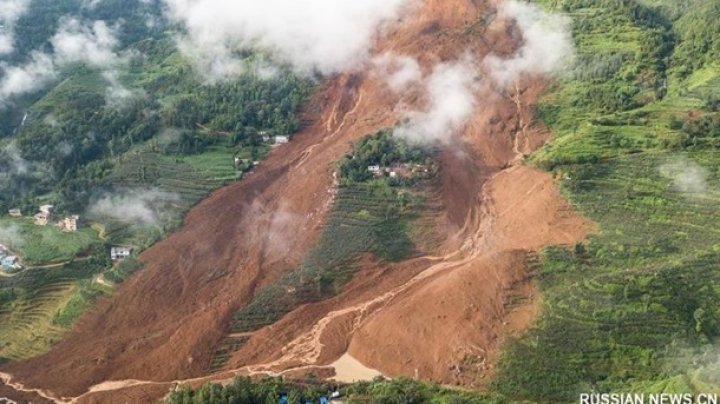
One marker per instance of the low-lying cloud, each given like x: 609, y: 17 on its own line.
x: 74, y: 42
x: 11, y: 236
x: 328, y: 36
x: 12, y: 162
x: 547, y: 43
x: 132, y: 206
x: 451, y: 98
x: 687, y: 176
x: 399, y: 72
x: 32, y: 76
x: 452, y: 89
x: 92, y: 44
x: 10, y: 12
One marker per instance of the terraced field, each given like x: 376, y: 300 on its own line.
x: 627, y: 308
x: 36, y: 315
x: 180, y: 186
x: 635, y: 307
x: 49, y: 300
x: 366, y: 218
x: 27, y: 324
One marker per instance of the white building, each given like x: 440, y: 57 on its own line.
x: 119, y: 252
x: 70, y: 223
x: 282, y: 139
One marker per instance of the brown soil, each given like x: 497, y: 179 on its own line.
x: 441, y: 317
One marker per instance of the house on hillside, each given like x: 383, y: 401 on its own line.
x: 10, y: 261
x: 118, y: 253
x: 70, y: 223
x: 282, y: 139
x: 15, y: 212
x: 265, y: 135
x: 376, y: 170
x: 45, y: 215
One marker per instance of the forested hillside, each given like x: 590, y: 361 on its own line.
x: 102, y: 116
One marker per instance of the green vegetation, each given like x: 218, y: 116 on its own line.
x: 38, y: 305
x: 44, y: 245
x: 70, y: 168
x: 244, y: 390
x: 371, y: 214
x: 636, y: 307
x: 86, y: 295
x: 388, y: 153
x: 163, y: 148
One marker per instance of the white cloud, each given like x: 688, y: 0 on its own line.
x: 133, y: 206
x: 74, y: 42
x: 116, y: 94
x: 686, y: 175
x: 547, y: 43
x: 399, y: 72
x: 13, y: 161
x: 325, y: 35
x: 30, y: 77
x: 451, y: 101
x: 10, y: 12
x: 11, y: 236
x: 78, y: 43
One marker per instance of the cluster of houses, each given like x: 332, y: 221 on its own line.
x: 70, y: 223
x: 45, y: 216
x: 8, y: 260
x: 404, y: 170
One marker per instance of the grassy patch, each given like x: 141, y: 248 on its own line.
x: 84, y: 297
x: 41, y: 245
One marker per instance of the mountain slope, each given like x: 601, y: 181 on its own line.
x: 192, y: 283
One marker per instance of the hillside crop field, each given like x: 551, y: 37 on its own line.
x: 635, y: 308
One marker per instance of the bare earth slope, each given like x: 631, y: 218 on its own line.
x: 439, y: 317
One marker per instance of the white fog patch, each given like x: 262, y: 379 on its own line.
x: 280, y: 233
x: 547, y: 43
x: 92, y: 45
x: 132, y: 206
x: 328, y: 36
x: 10, y: 12
x: 168, y: 136
x: 14, y: 161
x: 453, y: 88
x: 399, y: 72
x: 451, y: 100
x: 32, y: 76
x: 116, y: 94
x: 686, y: 175
x: 11, y: 236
